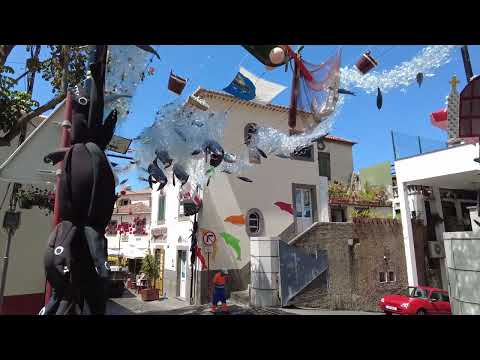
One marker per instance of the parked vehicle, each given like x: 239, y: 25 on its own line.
x: 417, y: 300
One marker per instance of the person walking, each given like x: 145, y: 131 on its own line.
x: 219, y: 281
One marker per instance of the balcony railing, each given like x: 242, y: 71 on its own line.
x: 409, y: 145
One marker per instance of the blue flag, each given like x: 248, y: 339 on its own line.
x: 241, y: 87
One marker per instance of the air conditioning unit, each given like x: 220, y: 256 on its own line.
x: 436, y: 249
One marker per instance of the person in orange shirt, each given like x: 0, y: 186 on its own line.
x: 219, y: 281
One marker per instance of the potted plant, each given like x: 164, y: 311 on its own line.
x: 151, y: 268
x: 43, y: 199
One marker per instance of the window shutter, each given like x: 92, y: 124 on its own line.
x: 161, y: 208
x: 324, y: 164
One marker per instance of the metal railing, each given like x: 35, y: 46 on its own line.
x: 409, y: 145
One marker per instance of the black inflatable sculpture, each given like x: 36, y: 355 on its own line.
x: 76, y: 256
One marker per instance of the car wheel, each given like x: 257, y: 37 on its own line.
x: 421, y: 312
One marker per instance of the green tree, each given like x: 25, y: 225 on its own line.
x: 151, y: 268
x: 64, y: 67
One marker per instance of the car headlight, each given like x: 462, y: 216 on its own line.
x: 405, y: 305
x: 382, y: 300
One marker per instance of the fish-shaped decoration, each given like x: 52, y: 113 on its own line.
x: 180, y: 173
x: 379, y: 99
x: 149, y: 49
x: 229, y: 158
x: 142, y: 179
x: 164, y: 157
x: 114, y: 164
x: 261, y: 152
x: 346, y: 92
x: 235, y: 219
x: 243, y: 178
x: 196, y: 152
x: 233, y: 242
x: 199, y: 254
x: 419, y: 79
x: 208, y: 181
x: 285, y: 206
x: 156, y: 175
x: 124, y: 181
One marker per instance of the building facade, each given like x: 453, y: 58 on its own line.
x: 285, y: 198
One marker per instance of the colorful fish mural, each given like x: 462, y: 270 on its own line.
x: 233, y: 242
x: 284, y: 206
x: 235, y: 219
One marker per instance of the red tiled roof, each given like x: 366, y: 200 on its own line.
x: 280, y: 108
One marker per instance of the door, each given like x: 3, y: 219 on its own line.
x: 436, y: 302
x: 303, y: 209
x: 182, y: 255
x: 160, y: 255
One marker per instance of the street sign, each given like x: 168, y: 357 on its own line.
x: 208, y: 249
x: 209, y: 238
x: 119, y: 144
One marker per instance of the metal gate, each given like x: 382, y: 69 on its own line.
x: 298, y: 269
x: 160, y: 255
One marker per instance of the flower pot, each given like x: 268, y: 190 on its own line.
x: 25, y: 204
x: 176, y: 83
x: 150, y: 294
x: 366, y: 63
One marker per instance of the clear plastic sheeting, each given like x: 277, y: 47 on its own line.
x: 403, y: 75
x: 126, y: 66
x: 181, y: 130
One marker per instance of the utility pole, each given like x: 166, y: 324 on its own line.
x: 14, y: 216
x: 466, y: 63
x: 64, y: 142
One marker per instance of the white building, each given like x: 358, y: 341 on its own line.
x: 300, y: 182
x: 128, y: 233
x: 453, y: 176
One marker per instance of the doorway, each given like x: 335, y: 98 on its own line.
x: 305, y: 206
x: 182, y: 274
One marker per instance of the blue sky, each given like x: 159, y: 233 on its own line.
x: 214, y: 66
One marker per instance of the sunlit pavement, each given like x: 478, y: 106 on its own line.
x: 131, y: 304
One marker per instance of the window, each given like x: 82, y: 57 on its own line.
x: 381, y: 277
x: 124, y: 202
x: 324, y: 164
x: 338, y: 214
x: 391, y: 276
x: 435, y: 296
x: 253, y: 155
x: 161, y: 209
x: 304, y: 153
x: 254, y: 225
x: 444, y: 297
x: 181, y: 213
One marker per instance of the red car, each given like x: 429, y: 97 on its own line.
x: 417, y: 300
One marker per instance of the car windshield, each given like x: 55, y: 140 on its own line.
x: 414, y: 292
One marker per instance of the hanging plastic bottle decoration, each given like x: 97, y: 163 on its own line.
x: 366, y: 63
x: 151, y: 71
x: 176, y: 84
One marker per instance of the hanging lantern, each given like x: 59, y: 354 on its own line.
x: 277, y: 55
x: 176, y: 83
x: 439, y: 119
x: 366, y: 63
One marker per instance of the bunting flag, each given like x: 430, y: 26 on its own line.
x: 249, y: 87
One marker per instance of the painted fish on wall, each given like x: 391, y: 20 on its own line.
x: 284, y: 206
x: 235, y: 219
x: 233, y: 242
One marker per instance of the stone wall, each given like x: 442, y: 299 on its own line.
x: 353, y: 279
